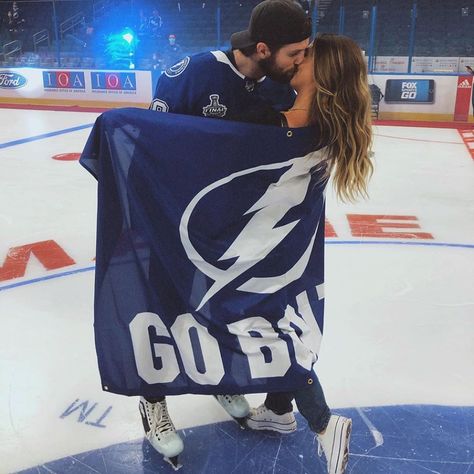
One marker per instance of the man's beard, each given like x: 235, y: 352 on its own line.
x: 270, y: 69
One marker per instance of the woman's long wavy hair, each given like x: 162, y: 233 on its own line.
x: 341, y: 108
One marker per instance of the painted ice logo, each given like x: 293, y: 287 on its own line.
x: 409, y: 90
x: 178, y: 68
x: 267, y: 212
x: 214, y: 109
x: 12, y: 80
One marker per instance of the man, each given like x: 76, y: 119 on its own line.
x: 155, y: 24
x: 16, y: 21
x: 273, y: 46
x: 172, y: 51
x: 219, y: 85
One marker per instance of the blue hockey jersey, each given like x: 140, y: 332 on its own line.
x: 209, y: 85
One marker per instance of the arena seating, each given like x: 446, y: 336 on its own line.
x: 441, y: 27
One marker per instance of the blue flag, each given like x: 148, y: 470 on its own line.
x: 210, y: 254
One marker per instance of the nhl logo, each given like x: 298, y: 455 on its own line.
x: 214, y: 109
x: 249, y: 85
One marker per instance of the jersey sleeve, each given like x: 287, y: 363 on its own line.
x: 176, y: 89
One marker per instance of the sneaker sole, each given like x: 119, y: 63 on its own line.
x: 269, y: 426
x: 142, y: 410
x: 342, y: 436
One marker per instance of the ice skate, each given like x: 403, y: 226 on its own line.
x: 236, y: 406
x: 160, y: 431
x: 334, y: 443
x: 262, y: 418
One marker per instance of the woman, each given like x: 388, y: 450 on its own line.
x: 334, y: 98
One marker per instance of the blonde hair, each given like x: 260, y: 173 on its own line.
x: 341, y: 108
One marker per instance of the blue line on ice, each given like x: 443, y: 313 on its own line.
x: 44, y: 135
x: 328, y: 242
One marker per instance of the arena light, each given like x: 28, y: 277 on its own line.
x: 120, y: 49
x: 128, y: 36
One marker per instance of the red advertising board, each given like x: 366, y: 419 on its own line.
x: 463, y: 99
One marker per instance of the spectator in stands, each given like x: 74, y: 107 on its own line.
x: 87, y: 37
x: 167, y: 56
x: 155, y: 24
x: 172, y: 52
x: 143, y: 24
x: 16, y: 21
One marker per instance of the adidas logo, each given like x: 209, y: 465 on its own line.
x: 464, y: 85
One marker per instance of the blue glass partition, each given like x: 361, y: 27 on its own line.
x: 396, y: 35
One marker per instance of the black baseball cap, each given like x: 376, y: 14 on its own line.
x: 274, y: 22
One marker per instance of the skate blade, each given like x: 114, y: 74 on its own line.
x: 242, y: 422
x: 174, y: 461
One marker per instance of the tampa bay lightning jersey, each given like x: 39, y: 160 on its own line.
x: 209, y: 85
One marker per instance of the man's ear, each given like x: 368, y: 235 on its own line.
x: 263, y: 51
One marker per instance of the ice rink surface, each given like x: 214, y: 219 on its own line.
x: 397, y: 353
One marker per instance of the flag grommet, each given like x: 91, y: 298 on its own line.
x: 289, y: 133
x: 310, y: 381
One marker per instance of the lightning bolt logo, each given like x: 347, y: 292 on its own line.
x: 260, y: 236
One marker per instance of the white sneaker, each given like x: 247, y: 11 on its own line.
x: 262, y: 418
x: 236, y: 406
x: 159, y: 428
x: 335, y: 443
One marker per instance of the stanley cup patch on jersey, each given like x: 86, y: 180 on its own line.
x: 214, y: 109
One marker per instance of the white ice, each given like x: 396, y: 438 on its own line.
x: 399, y: 318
